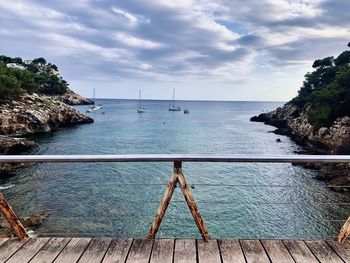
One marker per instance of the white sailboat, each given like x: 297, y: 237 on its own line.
x: 94, y: 108
x: 172, y: 107
x: 140, y: 109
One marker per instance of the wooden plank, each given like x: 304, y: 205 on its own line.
x: 28, y: 250
x: 342, y: 250
x: 231, y: 251
x: 163, y: 206
x: 95, y: 250
x: 11, y: 217
x: 50, y: 250
x: 185, y: 251
x: 323, y: 252
x: 140, y: 251
x: 277, y: 251
x: 163, y: 250
x: 299, y: 251
x: 118, y: 250
x: 344, y: 232
x: 208, y: 251
x: 73, y: 250
x: 254, y: 251
x: 3, y: 240
x: 9, y: 248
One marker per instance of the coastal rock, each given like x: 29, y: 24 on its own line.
x: 9, y: 145
x: 71, y: 98
x: 31, y: 222
x: 293, y: 122
x: 29, y: 114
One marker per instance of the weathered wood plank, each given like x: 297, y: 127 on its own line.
x: 299, y: 251
x: 50, y: 250
x: 73, y: 250
x: 344, y: 232
x: 342, y: 250
x: 163, y: 250
x: 323, y: 252
x: 163, y: 206
x: 118, y: 250
x: 192, y: 206
x: 3, y: 240
x: 9, y: 248
x: 28, y: 250
x: 185, y: 251
x: 254, y: 251
x: 208, y: 251
x: 231, y: 251
x: 95, y: 250
x: 277, y: 251
x: 140, y: 251
x: 11, y: 217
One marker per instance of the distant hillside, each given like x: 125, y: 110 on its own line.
x: 325, y: 94
x: 33, y: 76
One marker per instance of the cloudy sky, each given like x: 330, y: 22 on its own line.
x: 206, y: 49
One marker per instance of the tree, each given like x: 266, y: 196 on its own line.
x: 39, y: 60
x: 17, y: 60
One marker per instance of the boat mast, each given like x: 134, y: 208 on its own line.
x: 173, y: 98
x: 139, y: 99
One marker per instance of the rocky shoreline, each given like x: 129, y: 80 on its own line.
x: 31, y: 222
x: 293, y: 122
x: 72, y: 98
x: 28, y: 114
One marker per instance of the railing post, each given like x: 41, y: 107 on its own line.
x: 11, y: 217
x: 178, y: 177
x: 163, y: 205
x: 192, y: 206
x: 344, y: 232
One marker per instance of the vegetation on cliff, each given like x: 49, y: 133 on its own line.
x: 325, y: 94
x: 18, y: 76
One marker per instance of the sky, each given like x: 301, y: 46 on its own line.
x: 205, y: 49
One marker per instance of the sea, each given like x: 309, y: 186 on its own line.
x: 236, y: 200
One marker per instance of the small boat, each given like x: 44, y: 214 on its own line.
x: 94, y: 108
x: 187, y: 111
x: 172, y: 107
x: 140, y: 109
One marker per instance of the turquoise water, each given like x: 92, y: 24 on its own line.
x: 245, y: 200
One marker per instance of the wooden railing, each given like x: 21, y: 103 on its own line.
x: 177, y: 178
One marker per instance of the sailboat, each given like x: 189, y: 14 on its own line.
x: 94, y: 108
x: 172, y: 107
x: 140, y: 109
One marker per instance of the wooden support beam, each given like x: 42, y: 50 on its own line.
x: 11, y: 217
x: 178, y: 177
x: 344, y: 232
x: 193, y: 206
x: 163, y: 206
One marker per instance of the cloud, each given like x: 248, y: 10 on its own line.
x: 163, y: 40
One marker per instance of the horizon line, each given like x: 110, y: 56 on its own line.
x: 203, y: 100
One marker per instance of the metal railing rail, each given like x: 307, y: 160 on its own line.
x: 175, y: 157
x: 177, y: 178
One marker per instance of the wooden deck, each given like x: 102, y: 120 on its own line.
x: 170, y: 250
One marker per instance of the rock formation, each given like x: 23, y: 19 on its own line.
x: 293, y: 122
x: 29, y: 114
x: 71, y: 98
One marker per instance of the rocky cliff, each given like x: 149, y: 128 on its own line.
x: 72, y: 98
x: 29, y: 114
x: 293, y: 122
